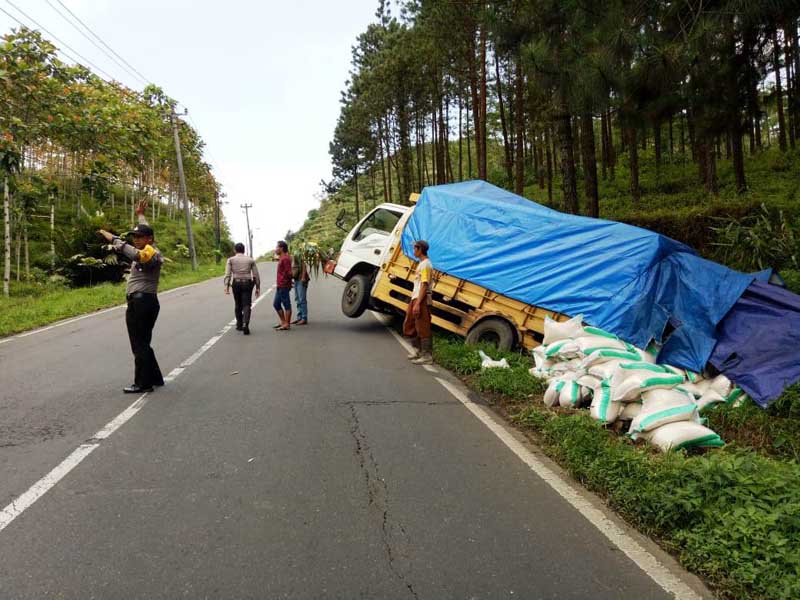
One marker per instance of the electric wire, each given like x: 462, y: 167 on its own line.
x: 50, y: 33
x: 102, y: 41
x: 94, y: 43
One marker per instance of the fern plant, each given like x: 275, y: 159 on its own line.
x: 768, y: 239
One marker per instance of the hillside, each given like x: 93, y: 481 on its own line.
x: 672, y: 203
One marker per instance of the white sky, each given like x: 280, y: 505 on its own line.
x: 261, y: 80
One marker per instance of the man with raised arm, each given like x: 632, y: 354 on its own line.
x: 142, y: 297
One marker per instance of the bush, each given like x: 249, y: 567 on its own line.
x: 731, y: 516
x: 768, y: 239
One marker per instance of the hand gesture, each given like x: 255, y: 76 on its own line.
x: 227, y: 291
x: 141, y: 207
x: 108, y: 236
x: 415, y: 310
x: 258, y: 292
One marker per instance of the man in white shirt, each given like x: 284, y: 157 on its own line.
x: 417, y: 325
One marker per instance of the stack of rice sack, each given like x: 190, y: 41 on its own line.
x: 586, y: 366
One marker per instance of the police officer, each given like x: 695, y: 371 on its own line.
x: 143, y: 305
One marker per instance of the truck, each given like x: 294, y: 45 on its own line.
x: 380, y: 277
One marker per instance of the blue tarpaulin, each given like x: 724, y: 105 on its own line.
x: 627, y: 280
x: 758, y: 341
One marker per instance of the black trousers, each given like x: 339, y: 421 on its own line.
x: 242, y: 300
x: 141, y: 318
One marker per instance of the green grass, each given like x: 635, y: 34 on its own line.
x: 731, y: 515
x: 34, y: 305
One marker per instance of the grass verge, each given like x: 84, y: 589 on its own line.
x: 731, y: 515
x: 35, y: 305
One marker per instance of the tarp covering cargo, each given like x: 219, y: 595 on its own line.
x: 625, y: 279
x: 758, y: 341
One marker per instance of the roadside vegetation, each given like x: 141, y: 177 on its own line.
x: 731, y: 515
x: 77, y: 153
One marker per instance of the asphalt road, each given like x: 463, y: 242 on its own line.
x: 316, y: 463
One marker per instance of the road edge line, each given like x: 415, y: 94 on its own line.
x: 645, y: 560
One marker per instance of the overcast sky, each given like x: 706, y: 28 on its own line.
x: 261, y: 80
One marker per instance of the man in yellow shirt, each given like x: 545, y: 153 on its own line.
x: 418, y: 315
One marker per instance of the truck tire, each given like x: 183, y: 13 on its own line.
x: 492, y: 331
x: 355, y: 296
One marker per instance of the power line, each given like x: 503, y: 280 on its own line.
x: 95, y: 44
x: 102, y: 41
x: 51, y: 34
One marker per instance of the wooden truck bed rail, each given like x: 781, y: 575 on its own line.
x: 458, y: 304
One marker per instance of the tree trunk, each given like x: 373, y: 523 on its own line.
x: 27, y: 253
x: 501, y: 106
x: 603, y: 145
x: 787, y: 54
x: 482, y: 158
x: 355, y: 184
x: 435, y: 148
x: 566, y: 143
x: 19, y: 248
x: 671, y: 136
x: 383, y: 162
x: 657, y: 145
x: 469, y: 149
x: 612, y: 153
x: 738, y: 156
x: 682, y: 139
x: 460, y: 155
x: 778, y: 91
x: 476, y: 109
x: 6, y: 237
x: 796, y: 52
x: 633, y: 151
x: 549, y: 161
x: 388, y: 147
x: 589, y: 164
x: 712, y: 183
x: 519, y: 126
x: 446, y: 141
x: 537, y: 162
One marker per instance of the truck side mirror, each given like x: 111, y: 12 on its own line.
x: 340, y: 220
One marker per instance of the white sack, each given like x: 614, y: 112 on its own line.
x: 683, y: 434
x: 603, y: 409
x: 555, y: 331
x: 662, y: 406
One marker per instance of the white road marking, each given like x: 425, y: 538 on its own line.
x: 40, y: 488
x: 46, y: 483
x: 92, y: 314
x: 643, y: 559
x: 630, y: 547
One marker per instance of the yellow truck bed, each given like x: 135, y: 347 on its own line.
x: 458, y: 305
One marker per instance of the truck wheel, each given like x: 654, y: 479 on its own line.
x: 355, y: 296
x: 492, y: 331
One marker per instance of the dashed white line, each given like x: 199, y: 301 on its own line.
x: 46, y: 483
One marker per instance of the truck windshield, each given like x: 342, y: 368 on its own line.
x: 382, y: 222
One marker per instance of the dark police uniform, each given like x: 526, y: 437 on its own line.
x: 143, y: 305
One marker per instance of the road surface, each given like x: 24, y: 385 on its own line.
x: 316, y: 463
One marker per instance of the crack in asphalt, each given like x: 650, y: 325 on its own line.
x: 378, y: 499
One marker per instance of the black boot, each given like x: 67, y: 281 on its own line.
x: 246, y: 329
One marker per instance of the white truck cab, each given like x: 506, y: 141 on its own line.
x: 363, y: 252
x: 363, y: 248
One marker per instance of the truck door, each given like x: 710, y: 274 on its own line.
x: 367, y: 241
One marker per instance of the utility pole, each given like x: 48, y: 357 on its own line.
x: 186, y: 212
x: 247, y: 208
